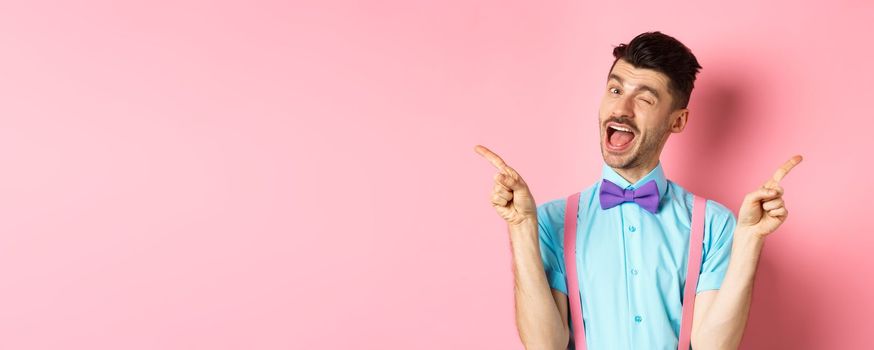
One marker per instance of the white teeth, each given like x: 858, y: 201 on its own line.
x: 620, y: 128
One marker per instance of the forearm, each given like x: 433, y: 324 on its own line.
x: 723, y: 324
x: 537, y: 316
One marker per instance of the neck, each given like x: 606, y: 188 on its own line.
x: 636, y: 173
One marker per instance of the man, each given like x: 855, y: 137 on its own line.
x: 634, y: 259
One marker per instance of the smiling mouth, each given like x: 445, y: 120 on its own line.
x: 619, y: 136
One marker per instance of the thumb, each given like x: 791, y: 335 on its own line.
x: 755, y: 197
x: 513, y: 182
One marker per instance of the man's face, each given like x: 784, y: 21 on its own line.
x: 636, y: 116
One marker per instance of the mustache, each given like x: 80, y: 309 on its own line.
x: 624, y: 121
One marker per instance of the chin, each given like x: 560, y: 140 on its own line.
x: 620, y: 161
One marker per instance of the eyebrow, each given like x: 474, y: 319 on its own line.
x: 642, y: 86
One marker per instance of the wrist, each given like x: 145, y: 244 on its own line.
x: 525, y: 229
x: 747, y: 238
x: 527, y: 222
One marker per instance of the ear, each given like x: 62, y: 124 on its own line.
x: 678, y: 120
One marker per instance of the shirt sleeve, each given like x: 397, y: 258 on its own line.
x: 718, y: 235
x: 550, y: 223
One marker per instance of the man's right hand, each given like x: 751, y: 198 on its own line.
x: 510, y: 196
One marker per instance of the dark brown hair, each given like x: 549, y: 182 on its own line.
x: 662, y: 53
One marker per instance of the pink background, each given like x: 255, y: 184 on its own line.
x: 218, y: 175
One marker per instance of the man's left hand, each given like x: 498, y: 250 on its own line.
x: 763, y: 210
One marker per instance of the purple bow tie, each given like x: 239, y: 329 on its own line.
x: 647, y: 196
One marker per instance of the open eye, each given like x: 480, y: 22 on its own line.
x: 614, y: 90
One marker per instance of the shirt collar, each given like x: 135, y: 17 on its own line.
x: 657, y: 174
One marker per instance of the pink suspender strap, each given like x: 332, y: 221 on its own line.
x: 575, y: 297
x: 573, y: 286
x: 696, y: 241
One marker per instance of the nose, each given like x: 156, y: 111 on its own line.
x: 623, y: 107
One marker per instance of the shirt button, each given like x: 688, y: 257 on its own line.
x: 632, y: 228
x: 638, y: 319
x: 633, y: 271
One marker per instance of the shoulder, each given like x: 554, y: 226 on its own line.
x: 551, y: 214
x: 717, y: 217
x: 714, y: 210
x: 719, y: 222
x: 718, y: 212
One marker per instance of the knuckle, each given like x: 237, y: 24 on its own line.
x: 501, y: 181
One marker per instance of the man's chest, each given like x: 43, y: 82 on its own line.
x: 627, y: 248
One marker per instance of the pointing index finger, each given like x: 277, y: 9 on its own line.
x: 783, y: 170
x: 492, y: 157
